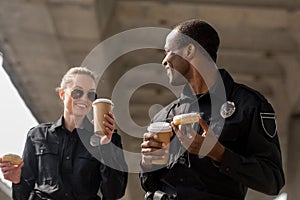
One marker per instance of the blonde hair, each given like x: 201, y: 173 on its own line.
x: 69, y: 76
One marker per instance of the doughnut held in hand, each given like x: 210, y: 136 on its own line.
x: 13, y: 158
x: 187, y: 118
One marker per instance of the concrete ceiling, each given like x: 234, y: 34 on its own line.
x: 41, y: 39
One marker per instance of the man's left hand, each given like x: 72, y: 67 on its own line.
x: 206, y: 144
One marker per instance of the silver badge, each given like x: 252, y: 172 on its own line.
x: 227, y: 109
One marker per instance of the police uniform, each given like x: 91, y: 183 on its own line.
x: 59, y: 164
x: 252, y: 155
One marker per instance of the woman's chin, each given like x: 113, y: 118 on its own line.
x: 80, y: 113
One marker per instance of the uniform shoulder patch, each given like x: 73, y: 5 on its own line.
x: 268, y: 121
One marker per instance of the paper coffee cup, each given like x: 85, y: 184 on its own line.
x: 100, y: 108
x: 163, y: 131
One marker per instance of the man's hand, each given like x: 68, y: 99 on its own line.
x: 206, y: 144
x: 152, y: 149
x: 11, y: 172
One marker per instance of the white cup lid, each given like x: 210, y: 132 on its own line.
x: 159, y: 127
x: 103, y: 100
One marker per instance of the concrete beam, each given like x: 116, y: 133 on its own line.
x: 104, y: 12
x: 289, y: 4
x: 241, y: 27
x: 31, y: 48
x: 254, y: 63
x: 73, y: 20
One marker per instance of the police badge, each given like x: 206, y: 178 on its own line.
x: 227, y: 109
x: 268, y: 122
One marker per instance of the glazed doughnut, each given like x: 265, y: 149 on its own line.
x: 186, y: 118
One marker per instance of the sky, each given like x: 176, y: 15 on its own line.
x: 15, y: 119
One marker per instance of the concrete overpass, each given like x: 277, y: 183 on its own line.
x: 260, y: 46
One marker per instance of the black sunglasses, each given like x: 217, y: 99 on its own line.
x: 77, y: 93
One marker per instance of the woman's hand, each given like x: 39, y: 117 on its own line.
x: 11, y: 172
x: 109, y: 128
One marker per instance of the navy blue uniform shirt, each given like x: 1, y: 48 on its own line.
x: 252, y: 155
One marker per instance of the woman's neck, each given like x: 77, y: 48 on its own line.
x: 71, y: 122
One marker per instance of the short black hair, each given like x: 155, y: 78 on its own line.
x: 203, y: 33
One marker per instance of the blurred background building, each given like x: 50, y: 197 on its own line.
x: 260, y: 46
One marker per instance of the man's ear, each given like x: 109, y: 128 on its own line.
x: 190, y: 51
x: 61, y: 93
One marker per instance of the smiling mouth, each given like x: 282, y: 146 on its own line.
x: 81, y: 105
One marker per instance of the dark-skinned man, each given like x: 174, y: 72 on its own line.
x: 234, y: 146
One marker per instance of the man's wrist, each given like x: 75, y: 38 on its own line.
x: 217, y: 152
x: 146, y: 165
x: 17, y: 181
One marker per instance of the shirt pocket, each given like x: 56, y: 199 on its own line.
x: 44, y: 148
x: 87, y: 160
x: 48, y: 160
x: 232, y: 131
x: 87, y: 168
x: 234, y: 135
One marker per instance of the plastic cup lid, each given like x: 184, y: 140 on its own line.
x: 159, y: 127
x: 103, y: 100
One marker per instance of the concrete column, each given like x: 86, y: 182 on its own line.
x: 4, y: 191
x: 293, y: 166
x: 104, y: 10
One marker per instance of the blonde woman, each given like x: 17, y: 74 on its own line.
x: 58, y: 162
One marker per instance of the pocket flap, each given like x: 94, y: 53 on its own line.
x: 45, y: 148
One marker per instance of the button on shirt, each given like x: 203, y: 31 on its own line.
x: 69, y: 154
